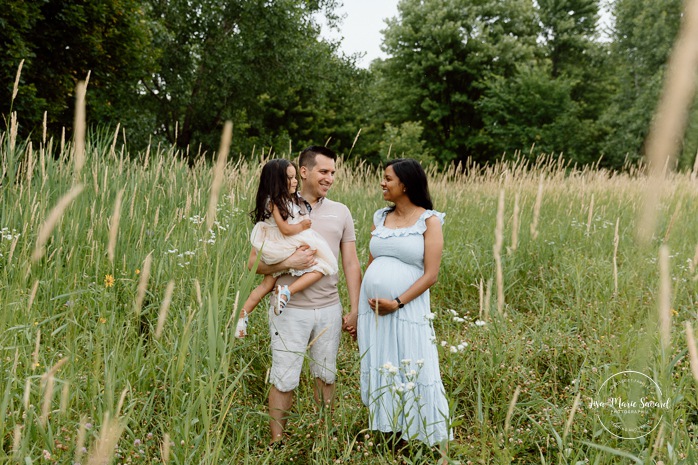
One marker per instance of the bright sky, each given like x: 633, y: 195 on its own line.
x: 362, y: 25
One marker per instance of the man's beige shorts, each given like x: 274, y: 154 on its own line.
x: 292, y: 332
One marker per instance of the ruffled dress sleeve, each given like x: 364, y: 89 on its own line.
x: 419, y: 227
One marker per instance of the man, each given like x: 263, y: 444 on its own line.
x: 313, y: 317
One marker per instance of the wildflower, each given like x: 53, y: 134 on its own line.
x: 137, y: 442
x: 458, y: 319
x: 46, y: 454
x: 420, y: 363
x: 406, y: 361
x: 108, y: 280
x: 429, y: 316
x: 444, y: 343
x: 674, y: 312
x: 480, y: 323
x: 387, y: 366
x: 453, y: 312
x: 409, y: 386
x: 453, y: 349
x: 138, y: 271
x: 102, y: 320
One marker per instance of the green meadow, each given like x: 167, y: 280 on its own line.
x: 120, y: 279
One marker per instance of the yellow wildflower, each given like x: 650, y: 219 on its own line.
x: 108, y: 280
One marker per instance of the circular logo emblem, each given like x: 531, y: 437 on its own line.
x: 629, y: 405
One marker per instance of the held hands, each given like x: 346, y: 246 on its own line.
x: 305, y: 224
x: 383, y: 306
x: 349, y: 323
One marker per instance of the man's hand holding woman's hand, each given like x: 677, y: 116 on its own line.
x: 349, y: 322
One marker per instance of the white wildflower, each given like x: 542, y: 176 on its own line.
x: 444, y: 343
x: 406, y: 361
x: 453, y: 349
x: 480, y: 323
x: 429, y: 316
x: 410, y: 386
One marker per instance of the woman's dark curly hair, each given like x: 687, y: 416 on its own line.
x: 273, y: 189
x: 412, y: 175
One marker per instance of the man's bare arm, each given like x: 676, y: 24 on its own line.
x: 301, y: 259
x: 352, y: 274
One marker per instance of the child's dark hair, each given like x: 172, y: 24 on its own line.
x: 273, y: 189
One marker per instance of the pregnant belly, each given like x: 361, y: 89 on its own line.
x: 388, y: 277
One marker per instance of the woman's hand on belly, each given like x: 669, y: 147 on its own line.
x: 383, y: 306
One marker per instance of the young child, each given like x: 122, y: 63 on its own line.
x: 279, y: 230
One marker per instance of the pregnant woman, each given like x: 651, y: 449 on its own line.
x: 400, y: 379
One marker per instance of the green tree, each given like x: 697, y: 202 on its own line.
x: 440, y: 51
x: 551, y: 104
x: 327, y: 108
x: 255, y: 62
x: 64, y: 40
x: 569, y: 27
x: 17, y: 19
x: 489, y: 76
x: 405, y: 142
x: 643, y: 35
x: 525, y: 110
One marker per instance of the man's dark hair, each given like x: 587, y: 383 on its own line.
x: 307, y: 156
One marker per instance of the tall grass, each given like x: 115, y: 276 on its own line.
x: 115, y: 337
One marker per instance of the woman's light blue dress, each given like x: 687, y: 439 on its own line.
x: 400, y: 378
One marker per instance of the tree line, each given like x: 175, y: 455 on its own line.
x: 464, y: 79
